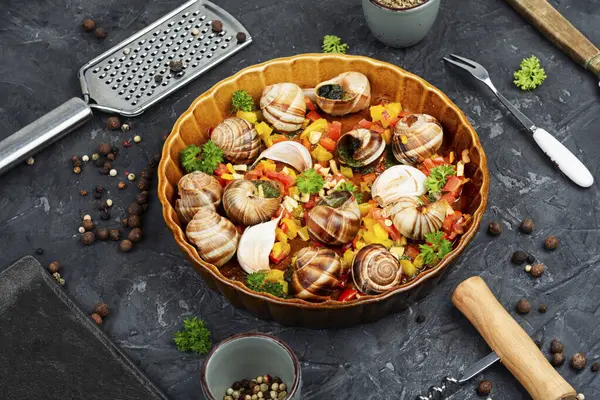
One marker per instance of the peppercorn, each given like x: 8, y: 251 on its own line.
x: 556, y: 346
x: 104, y: 215
x: 530, y: 258
x: 551, y: 242
x: 54, y: 266
x: 245, y: 383
x: 102, y: 234
x: 557, y: 359
x: 595, y: 367
x: 523, y: 306
x: 537, y: 270
x: 30, y: 161
x: 538, y: 343
x: 135, y: 235
x: 126, y: 246
x: 83, y: 192
x: 135, y: 209
x: 241, y: 37
x: 88, y: 225
x: 143, y: 184
x: 144, y: 207
x: 420, y: 318
x: 142, y: 198
x: 101, y: 309
x: 134, y: 221
x: 114, y: 150
x: 578, y: 361
x: 111, y: 156
x: 88, y: 238
x: 124, y: 222
x: 125, y: 127
x: 158, y: 78
x: 39, y: 251
x: 131, y: 177
x: 113, y: 123
x: 147, y: 174
x: 495, y: 228
x: 519, y: 257
x: 81, y: 229
x: 527, y: 225
x: 114, y: 234
x: 176, y: 66
x: 99, y: 163
x: 76, y: 161
x: 88, y: 24
x: 104, y: 148
x: 216, y: 25
x: 100, y: 33
x: 236, y: 386
x: 105, y: 170
x: 121, y: 185
x: 543, y: 308
x: 484, y: 388
x: 77, y: 170
x: 97, y: 318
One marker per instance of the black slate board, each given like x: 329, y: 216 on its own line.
x: 50, y: 349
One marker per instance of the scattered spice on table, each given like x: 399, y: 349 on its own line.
x: 495, y: 228
x: 537, y: 270
x: 176, y: 66
x: 484, y: 388
x: 137, y: 138
x: 58, y: 278
x: 83, y: 192
x: 101, y: 33
x: 54, y: 266
x: 551, y: 242
x: 88, y: 238
x: 578, y: 361
x: 113, y: 123
x: 596, y: 367
x: 530, y: 258
x: 85, y: 158
x: 527, y: 225
x: 76, y: 161
x: 131, y: 177
x: 125, y: 127
x: 77, y: 170
x: 103, y: 148
x: 420, y: 318
x: 216, y: 25
x: 543, y: 308
x: 121, y: 185
x: 102, y: 233
x: 101, y: 309
x: 96, y: 318
x: 126, y: 246
x: 88, y: 24
x: 88, y: 225
x: 580, y: 396
x: 528, y: 268
x: 519, y: 257
x: 240, y: 37
x: 134, y: 221
x: 557, y: 359
x: 158, y: 78
x: 523, y: 306
x: 135, y: 235
x: 114, y: 234
x: 556, y: 346
x: 30, y: 161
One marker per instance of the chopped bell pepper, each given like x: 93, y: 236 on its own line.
x: 359, y: 244
x: 319, y: 125
x: 327, y: 143
x: 293, y: 190
x: 230, y: 168
x: 263, y: 129
x: 347, y: 259
x: 393, y: 109
x: 364, y: 187
x: 280, y: 235
x: 418, y: 262
x: 247, y: 115
x: 303, y: 233
x: 292, y: 231
x: 397, y: 251
x: 227, y: 177
x: 369, y: 178
x: 408, y: 268
x: 289, y: 172
x: 380, y: 232
x: 279, y: 252
x: 313, y: 115
x: 365, y: 208
x: 365, y: 124
x: 369, y: 222
x: 335, y: 130
x: 276, y: 138
x: 387, y: 136
x: 309, y: 104
x: 274, y: 275
x: 320, y: 154
x: 348, y: 294
x: 347, y: 172
x: 376, y: 112
x: 266, y: 165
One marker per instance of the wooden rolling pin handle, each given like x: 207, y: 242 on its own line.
x: 510, y: 342
x: 560, y: 31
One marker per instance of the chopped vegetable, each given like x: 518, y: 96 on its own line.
x: 247, y: 115
x: 263, y: 130
x: 436, y: 248
x: 530, y: 75
x: 310, y: 181
x: 347, y: 259
x: 333, y: 44
x: 292, y: 228
x: 408, y: 268
x: 319, y: 125
x: 303, y: 233
x: 241, y: 100
x: 280, y: 235
x: 327, y: 143
x: 320, y: 154
x: 348, y: 294
x: 437, y: 179
x: 206, y: 159
x: 350, y: 187
x: 313, y: 116
x: 347, y: 172
x: 257, y: 281
x: 194, y: 337
x: 365, y: 208
x: 280, y: 251
x: 335, y: 130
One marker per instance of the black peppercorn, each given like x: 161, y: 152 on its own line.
x: 530, y: 258
x: 76, y: 161
x: 97, y: 318
x: 519, y: 257
x: 557, y: 359
x: 484, y: 388
x: 176, y: 66
x: 99, y: 189
x: 124, y: 222
x: 595, y: 367
x: 113, y: 123
x: 551, y: 242
x: 578, y: 361
x: 103, y: 148
x: 101, y: 309
x: 527, y: 225
x: 101, y: 205
x: 236, y: 386
x: 145, y: 207
x: 135, y: 235
x: 126, y: 246
x: 88, y: 25
x: 495, y: 228
x: 158, y: 78
x: 245, y: 383
x: 114, y: 234
x: 135, y: 209
x: 523, y: 306
x: 147, y: 174
x: 104, y: 215
x: 277, y: 380
x: 556, y: 346
x: 216, y: 25
x: 102, y: 234
x: 142, y: 198
x: 111, y: 156
x: 143, y: 184
x: 88, y: 238
x: 114, y: 150
x: 104, y: 170
x: 543, y: 308
x: 134, y: 221
x: 537, y: 270
x: 54, y: 267
x: 88, y: 225
x: 107, y: 165
x: 39, y: 251
x: 99, y: 163
x: 241, y: 37
x: 420, y: 318
x: 100, y: 33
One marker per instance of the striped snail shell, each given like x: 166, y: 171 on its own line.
x: 250, y: 202
x: 360, y: 147
x: 283, y: 106
x: 347, y: 93
x: 335, y: 220
x: 414, y: 219
x: 316, y: 273
x: 416, y: 137
x: 197, y: 190
x: 215, y: 236
x: 238, y: 140
x: 375, y: 270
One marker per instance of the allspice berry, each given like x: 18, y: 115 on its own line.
x: 523, y: 306
x: 113, y: 123
x: 596, y: 367
x: 142, y: 198
x: 101, y: 309
x: 147, y: 174
x: 126, y: 246
x: 124, y: 222
x: 114, y: 234
x: 578, y: 361
x: 551, y: 242
x: 527, y: 225
x: 121, y: 185
x: 216, y: 25
x: 54, y: 266
x: 143, y: 184
x: 88, y: 24
x: 543, y: 308
x: 556, y: 346
x: 241, y: 37
x: 102, y: 234
x: 519, y: 257
x: 134, y: 221
x: 495, y: 228
x: 135, y: 209
x: 484, y: 388
x: 88, y: 225
x: 97, y: 318
x: 557, y: 359
x: 135, y: 235
x: 88, y: 238
x: 100, y: 33
x: 103, y: 148
x: 537, y: 270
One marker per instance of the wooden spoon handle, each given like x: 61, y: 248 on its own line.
x: 510, y: 342
x: 560, y: 31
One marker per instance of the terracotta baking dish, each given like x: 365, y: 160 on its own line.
x: 307, y: 70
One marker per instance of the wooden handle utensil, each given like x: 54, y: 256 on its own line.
x: 510, y: 342
x: 560, y: 31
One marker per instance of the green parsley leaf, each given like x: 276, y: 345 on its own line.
x: 194, y: 337
x: 241, y: 100
x: 530, y: 75
x: 436, y: 180
x: 350, y: 187
x: 310, y: 181
x: 333, y: 44
x: 256, y: 281
x: 435, y: 248
x: 207, y: 159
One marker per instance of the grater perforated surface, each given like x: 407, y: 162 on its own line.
x: 124, y: 79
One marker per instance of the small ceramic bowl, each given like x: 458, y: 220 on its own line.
x: 400, y: 27
x: 246, y: 356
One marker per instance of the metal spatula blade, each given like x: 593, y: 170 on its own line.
x: 123, y: 80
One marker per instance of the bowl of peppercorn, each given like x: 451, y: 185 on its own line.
x: 251, y: 366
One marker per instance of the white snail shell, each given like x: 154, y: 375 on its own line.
x: 283, y: 106
x: 289, y: 152
x: 396, y: 182
x: 316, y: 273
x: 215, y: 236
x: 356, y: 94
x: 243, y: 204
x: 238, y: 139
x: 197, y: 190
x: 375, y: 270
x: 416, y: 137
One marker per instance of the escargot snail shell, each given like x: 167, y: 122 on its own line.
x: 243, y: 204
x: 413, y: 219
x: 375, y: 270
x: 316, y: 273
x: 289, y: 152
x: 396, y: 182
x: 416, y: 137
x: 215, y: 237
x: 238, y: 139
x: 368, y: 147
x: 283, y: 106
x: 197, y: 190
x: 356, y: 94
x: 335, y: 219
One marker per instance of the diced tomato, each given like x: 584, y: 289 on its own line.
x: 394, y: 234
x: 222, y: 181
x: 412, y: 251
x: 286, y: 180
x: 449, y: 198
x: 348, y: 294
x: 306, y: 144
x: 284, y: 228
x: 309, y: 204
x: 369, y: 178
x: 334, y: 130
x: 458, y: 227
x: 279, y: 259
x: 377, y: 127
x: 309, y: 104
x: 448, y: 222
x: 453, y: 184
x: 439, y: 161
x: 429, y: 165
x: 363, y: 123
x: 394, y: 122
x: 328, y: 143
x: 221, y: 169
x: 254, y: 175
x: 313, y: 116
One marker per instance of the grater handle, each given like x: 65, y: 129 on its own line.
x: 42, y: 132
x: 511, y: 343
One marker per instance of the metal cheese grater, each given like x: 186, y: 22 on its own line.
x: 122, y: 80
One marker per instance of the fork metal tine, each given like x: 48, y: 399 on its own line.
x: 467, y: 68
x: 467, y: 61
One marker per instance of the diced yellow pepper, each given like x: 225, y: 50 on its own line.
x: 259, y: 115
x: 369, y: 222
x: 293, y: 190
x: 347, y: 258
x: 281, y: 250
x: 379, y: 232
x: 303, y: 233
x: 274, y: 275
x: 393, y: 109
x: 230, y: 168
x: 451, y: 157
x: 320, y: 154
x: 365, y: 207
x: 369, y: 237
x: 387, y: 136
x: 364, y: 187
x: 227, y: 177
x: 284, y: 285
x: 305, y: 123
x: 408, y: 268
x: 289, y: 172
x: 360, y: 244
x: 397, y: 251
x: 263, y: 129
x: 347, y: 172
x: 402, y: 241
x: 418, y: 262
x: 319, y: 125
x: 280, y: 235
x: 247, y: 115
x: 376, y: 113
x: 268, y: 165
x: 269, y: 142
x: 292, y: 228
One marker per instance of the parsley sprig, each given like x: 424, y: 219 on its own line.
x: 241, y: 100
x: 530, y: 75
x: 333, y: 44
x: 350, y: 187
x: 194, y: 337
x: 310, y: 181
x: 437, y: 178
x: 436, y: 248
x: 256, y: 281
x: 205, y: 159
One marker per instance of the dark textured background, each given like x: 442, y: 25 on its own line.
x: 152, y: 289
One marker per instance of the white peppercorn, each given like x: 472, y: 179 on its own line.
x: 81, y: 229
x: 235, y: 394
x: 113, y: 172
x: 229, y: 392
x: 30, y: 161
x: 275, y: 386
x: 260, y: 395
x: 109, y: 203
x: 282, y: 387
x: 247, y: 397
x: 125, y: 127
x: 282, y: 395
x: 259, y: 379
x: 137, y: 138
x: 273, y: 394
x: 254, y: 397
x: 87, y: 216
x: 95, y: 156
x: 131, y: 177
x: 264, y: 387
